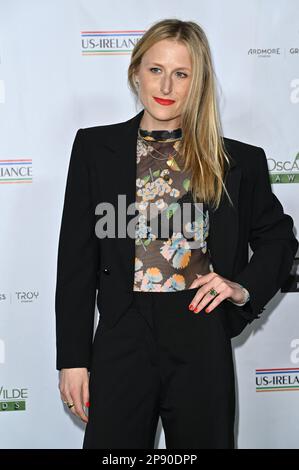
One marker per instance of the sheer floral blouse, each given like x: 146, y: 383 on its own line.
x: 170, y: 243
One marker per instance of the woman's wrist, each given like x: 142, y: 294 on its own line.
x: 246, y: 297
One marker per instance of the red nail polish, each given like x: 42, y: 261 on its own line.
x: 87, y: 404
x: 191, y: 307
x: 207, y: 310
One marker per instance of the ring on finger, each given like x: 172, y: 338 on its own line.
x: 213, y: 292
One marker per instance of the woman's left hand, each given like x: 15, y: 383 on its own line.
x: 226, y: 290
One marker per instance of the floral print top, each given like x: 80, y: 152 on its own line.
x: 167, y: 263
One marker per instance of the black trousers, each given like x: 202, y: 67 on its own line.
x: 161, y: 359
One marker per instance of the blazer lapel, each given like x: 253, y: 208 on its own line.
x: 224, y: 227
x: 223, y: 234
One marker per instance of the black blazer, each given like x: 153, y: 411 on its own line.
x: 92, y: 270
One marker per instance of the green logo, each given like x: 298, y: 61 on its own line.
x: 19, y: 405
x: 284, y: 172
x: 13, y: 399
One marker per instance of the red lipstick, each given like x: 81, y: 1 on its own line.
x: 163, y: 101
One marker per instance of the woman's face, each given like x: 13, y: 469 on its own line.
x: 164, y: 72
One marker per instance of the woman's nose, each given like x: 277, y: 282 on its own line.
x: 166, y: 84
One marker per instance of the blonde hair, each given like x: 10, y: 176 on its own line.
x: 202, y: 144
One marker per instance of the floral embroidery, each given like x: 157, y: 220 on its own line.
x: 178, y: 249
x: 171, y: 263
x: 174, y: 283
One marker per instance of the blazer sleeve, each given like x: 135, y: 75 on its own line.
x: 77, y: 264
x: 273, y: 244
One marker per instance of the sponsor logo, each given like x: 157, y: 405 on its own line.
x: 13, y: 399
x: 265, y: 52
x: 109, y: 42
x: 284, y: 172
x: 16, y: 171
x: 277, y: 380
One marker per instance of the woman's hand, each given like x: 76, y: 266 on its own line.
x: 73, y: 386
x: 226, y: 290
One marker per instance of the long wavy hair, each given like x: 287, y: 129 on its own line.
x: 202, y: 145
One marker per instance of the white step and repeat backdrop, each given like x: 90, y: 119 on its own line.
x: 63, y: 65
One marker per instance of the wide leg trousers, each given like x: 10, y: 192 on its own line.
x: 162, y: 360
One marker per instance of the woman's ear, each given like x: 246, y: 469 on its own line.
x: 135, y: 76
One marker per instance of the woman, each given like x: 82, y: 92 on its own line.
x: 169, y: 304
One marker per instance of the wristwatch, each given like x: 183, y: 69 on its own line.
x: 247, y: 297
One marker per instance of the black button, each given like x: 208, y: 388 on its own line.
x: 106, y: 271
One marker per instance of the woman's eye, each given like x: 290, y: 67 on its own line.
x: 181, y: 74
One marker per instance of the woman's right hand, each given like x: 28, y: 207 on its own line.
x: 74, y: 388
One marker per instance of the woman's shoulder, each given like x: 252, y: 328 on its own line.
x: 244, y: 153
x: 112, y: 127
x: 101, y: 129
x: 240, y: 146
x: 104, y: 133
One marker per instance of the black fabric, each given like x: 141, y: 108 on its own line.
x: 92, y: 270
x: 163, y: 360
